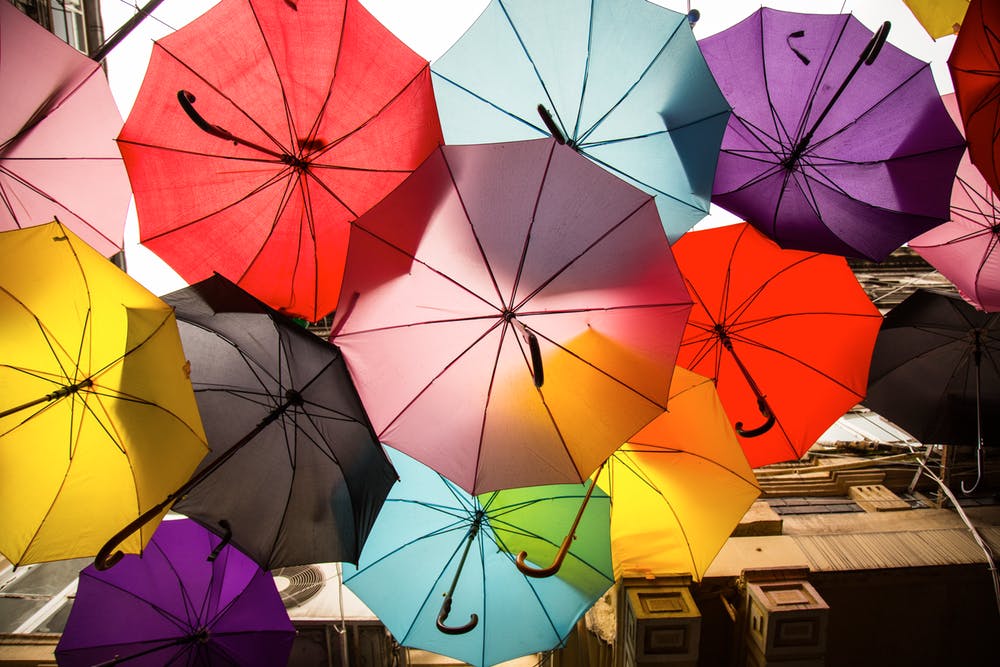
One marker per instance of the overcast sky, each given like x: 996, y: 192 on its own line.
x: 429, y: 27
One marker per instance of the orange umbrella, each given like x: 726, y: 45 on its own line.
x: 679, y: 486
x: 787, y: 333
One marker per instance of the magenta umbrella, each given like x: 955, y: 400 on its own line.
x: 58, y: 157
x: 188, y: 600
x: 964, y: 249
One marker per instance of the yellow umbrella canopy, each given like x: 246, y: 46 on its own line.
x: 939, y: 17
x: 679, y: 486
x: 98, y: 419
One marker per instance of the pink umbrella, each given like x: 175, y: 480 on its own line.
x: 58, y: 157
x: 964, y: 248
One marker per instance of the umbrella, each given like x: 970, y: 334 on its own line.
x: 282, y: 416
x: 538, y: 324
x: 816, y: 155
x: 621, y: 81
x: 433, y: 539
x: 964, y: 249
x: 97, y: 418
x: 975, y: 70
x: 787, y: 333
x: 678, y: 487
x: 261, y: 130
x: 935, y: 371
x: 173, y: 606
x: 57, y: 152
x: 939, y: 17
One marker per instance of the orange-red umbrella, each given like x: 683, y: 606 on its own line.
x: 786, y: 335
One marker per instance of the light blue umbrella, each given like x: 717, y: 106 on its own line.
x: 438, y: 571
x: 623, y: 81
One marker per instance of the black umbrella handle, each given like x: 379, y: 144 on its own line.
x: 227, y: 536
x: 550, y: 123
x: 187, y: 99
x: 105, y: 559
x: 539, y: 573
x: 762, y: 404
x: 537, y: 371
x: 446, y: 605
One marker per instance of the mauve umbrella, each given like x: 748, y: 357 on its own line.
x: 838, y: 142
x: 174, y: 606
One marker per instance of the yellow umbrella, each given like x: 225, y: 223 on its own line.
x: 939, y: 17
x: 679, y: 486
x: 98, y: 419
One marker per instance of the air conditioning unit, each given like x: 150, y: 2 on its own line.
x: 315, y: 593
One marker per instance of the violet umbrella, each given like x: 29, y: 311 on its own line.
x: 838, y: 142
x: 58, y: 157
x: 174, y: 606
x: 964, y: 249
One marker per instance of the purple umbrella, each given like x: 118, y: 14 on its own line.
x: 838, y: 142
x: 174, y: 606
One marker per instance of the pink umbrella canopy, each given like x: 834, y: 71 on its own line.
x: 58, y: 157
x: 964, y: 249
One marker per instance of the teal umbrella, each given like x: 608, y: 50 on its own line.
x: 621, y: 81
x: 438, y: 568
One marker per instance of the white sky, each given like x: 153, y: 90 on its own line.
x: 429, y: 27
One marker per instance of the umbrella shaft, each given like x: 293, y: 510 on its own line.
x: 59, y: 393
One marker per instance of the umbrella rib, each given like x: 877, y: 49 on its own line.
x: 48, y: 197
x: 734, y: 314
x: 611, y: 229
x: 225, y: 97
x: 281, y: 84
x: 991, y: 246
x: 654, y: 450
x: 527, y: 236
x: 541, y: 132
x: 633, y: 85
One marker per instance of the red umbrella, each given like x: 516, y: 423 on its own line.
x: 533, y: 329
x: 262, y: 130
x: 57, y: 152
x: 785, y: 333
x: 964, y: 249
x: 975, y: 71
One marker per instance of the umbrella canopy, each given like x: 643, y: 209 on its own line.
x: 679, y: 486
x: 939, y: 17
x: 173, y: 606
x: 815, y: 155
x: 621, y: 81
x: 281, y: 414
x: 57, y: 152
x: 975, y: 70
x: 433, y: 539
x: 538, y: 323
x: 98, y: 419
x: 936, y: 365
x: 964, y: 249
x: 784, y: 333
x: 261, y: 130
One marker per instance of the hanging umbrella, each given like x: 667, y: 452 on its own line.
x: 678, y: 487
x: 57, y: 152
x: 975, y: 70
x: 935, y: 371
x: 261, y: 130
x: 282, y: 417
x: 939, y: 18
x: 784, y: 333
x: 538, y: 324
x: 816, y: 155
x: 173, y: 606
x: 621, y: 81
x: 97, y: 419
x: 964, y: 249
x: 433, y: 539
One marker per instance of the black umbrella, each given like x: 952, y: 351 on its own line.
x: 935, y: 371
x: 297, y: 474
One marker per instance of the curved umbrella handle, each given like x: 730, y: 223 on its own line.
x: 187, y: 99
x: 877, y: 42
x: 449, y: 630
x: 537, y: 371
x: 765, y: 410
x: 564, y: 548
x: 105, y: 559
